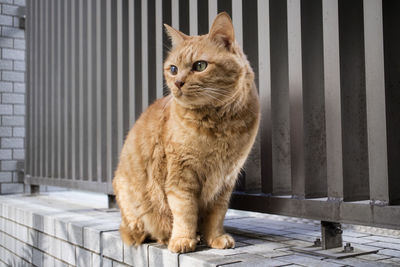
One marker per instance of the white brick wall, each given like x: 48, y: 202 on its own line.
x: 12, y: 96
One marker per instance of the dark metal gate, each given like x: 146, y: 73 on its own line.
x: 328, y: 73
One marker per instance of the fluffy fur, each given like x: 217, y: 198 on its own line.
x: 180, y: 161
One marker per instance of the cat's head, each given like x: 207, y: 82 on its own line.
x: 205, y: 70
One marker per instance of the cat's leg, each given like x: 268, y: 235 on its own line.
x: 212, y: 227
x: 131, y: 229
x: 182, y: 191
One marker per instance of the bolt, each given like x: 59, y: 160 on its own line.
x: 317, y: 242
x: 348, y: 247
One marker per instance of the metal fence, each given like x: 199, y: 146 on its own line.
x: 328, y: 74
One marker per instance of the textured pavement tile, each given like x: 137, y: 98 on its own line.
x: 298, y: 243
x: 373, y: 257
x: 357, y: 240
x: 390, y: 252
x: 91, y: 235
x: 355, y: 234
x: 357, y: 263
x: 307, y: 261
x: 383, y: 239
x: 395, y: 246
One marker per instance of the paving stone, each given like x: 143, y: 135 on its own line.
x: 307, y: 261
x: 390, y: 252
x: 356, y: 263
x: 383, y: 239
x: 388, y: 245
x: 373, y: 257
x: 111, y: 245
x: 136, y: 256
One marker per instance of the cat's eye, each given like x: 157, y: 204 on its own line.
x: 173, y: 69
x: 200, y: 65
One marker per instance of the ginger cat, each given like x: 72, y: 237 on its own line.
x: 181, y: 159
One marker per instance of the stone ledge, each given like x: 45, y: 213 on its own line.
x: 74, y: 229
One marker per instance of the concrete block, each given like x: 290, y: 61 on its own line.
x: 6, y: 86
x: 58, y: 263
x: 47, y: 260
x: 12, y: 142
x: 11, y: 188
x: 112, y: 245
x: 18, y: 131
x: 159, y: 255
x: 19, y: 110
x: 136, y: 256
x: 19, y: 88
x: 98, y: 260
x: 19, y: 65
x: 19, y: 44
x: 12, y: 10
x: 13, y: 76
x: 6, y: 42
x: 43, y: 241
x: 6, y: 20
x: 33, y: 236
x: 23, y: 250
x: 10, y: 98
x: 19, y: 154
x: 6, y: 109
x: 6, y: 65
x: 118, y: 264
x: 6, y: 1
x: 68, y: 253
x: 5, y: 131
x: 15, y: 54
x: 83, y: 257
x: 8, y: 165
x: 91, y: 235
x: 20, y: 2
x: 5, y: 154
x: 5, y: 177
x: 13, y: 120
x: 37, y: 257
x: 55, y: 247
x: 21, y: 233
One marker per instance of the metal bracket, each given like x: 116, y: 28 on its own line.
x: 331, y: 245
x: 331, y: 235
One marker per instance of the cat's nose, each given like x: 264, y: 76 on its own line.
x: 179, y: 83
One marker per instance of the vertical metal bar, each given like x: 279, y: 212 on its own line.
x: 53, y: 88
x: 49, y: 108
x: 202, y: 16
x: 37, y: 60
x: 250, y: 46
x: 74, y: 87
x: 120, y: 70
x: 175, y: 14
x: 67, y: 89
x: 105, y: 97
x: 151, y: 50
x: 28, y: 95
x: 391, y: 34
x: 313, y: 98
x: 159, y: 48
x: 100, y: 22
x: 81, y: 85
x: 237, y: 19
x: 44, y: 105
x: 184, y: 16
x: 212, y: 11
x: 333, y: 124
x: 224, y: 5
x: 296, y: 98
x: 90, y: 138
x: 375, y: 97
x: 352, y: 82
x: 109, y: 89
x: 83, y: 100
x: 264, y: 69
x: 145, y: 59
x: 138, y: 58
x: 132, y: 73
x: 193, y: 17
x: 61, y: 91
x: 279, y: 103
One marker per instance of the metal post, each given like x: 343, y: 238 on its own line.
x: 35, y: 189
x: 331, y: 235
x: 112, y: 202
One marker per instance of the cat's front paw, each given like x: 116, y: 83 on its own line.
x: 222, y: 242
x: 182, y: 244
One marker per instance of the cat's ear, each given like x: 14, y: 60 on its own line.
x: 222, y: 30
x: 176, y: 36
